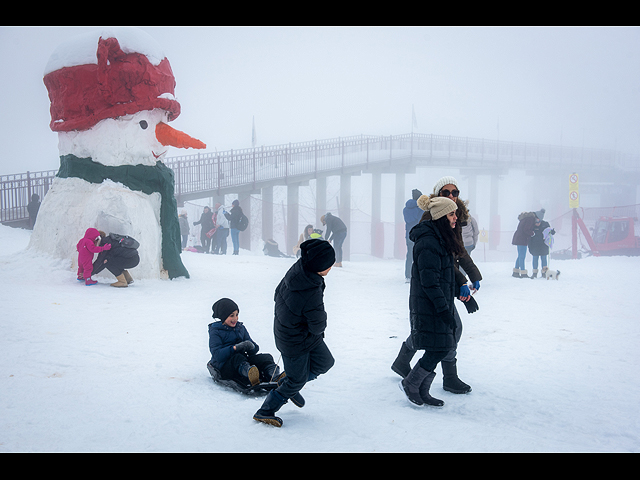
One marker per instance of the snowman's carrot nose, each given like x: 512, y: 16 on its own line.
x: 167, y: 135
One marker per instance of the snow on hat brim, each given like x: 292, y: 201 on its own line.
x: 317, y: 255
x: 223, y: 308
x: 444, y: 181
x: 118, y: 84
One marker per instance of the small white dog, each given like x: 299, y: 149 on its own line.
x: 552, y: 274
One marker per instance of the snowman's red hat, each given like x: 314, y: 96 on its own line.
x: 119, y: 84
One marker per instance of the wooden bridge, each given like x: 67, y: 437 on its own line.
x: 258, y: 170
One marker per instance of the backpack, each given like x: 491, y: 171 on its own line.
x: 243, y: 222
x: 125, y: 240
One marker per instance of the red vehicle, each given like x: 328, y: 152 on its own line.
x: 615, y: 236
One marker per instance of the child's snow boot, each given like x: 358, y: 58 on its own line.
x: 411, y: 384
x: 451, y: 382
x: 401, y: 364
x: 122, y: 282
x: 251, y: 372
x: 267, y: 412
x: 89, y: 281
x: 272, y: 374
x: 424, y: 392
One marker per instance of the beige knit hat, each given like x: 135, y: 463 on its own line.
x: 437, y: 206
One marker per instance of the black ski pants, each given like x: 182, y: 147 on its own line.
x: 303, y: 368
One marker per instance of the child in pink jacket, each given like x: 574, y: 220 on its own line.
x: 86, y: 248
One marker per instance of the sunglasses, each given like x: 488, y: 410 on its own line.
x: 446, y: 193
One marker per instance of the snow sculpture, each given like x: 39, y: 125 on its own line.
x: 112, y: 96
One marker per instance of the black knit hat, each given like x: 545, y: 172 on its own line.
x: 317, y: 255
x: 223, y: 308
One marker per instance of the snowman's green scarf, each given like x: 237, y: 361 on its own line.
x: 145, y: 179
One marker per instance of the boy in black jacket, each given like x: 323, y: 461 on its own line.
x: 299, y: 324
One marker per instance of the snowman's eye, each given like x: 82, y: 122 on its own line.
x: 143, y: 124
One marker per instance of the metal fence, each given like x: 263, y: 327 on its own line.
x: 202, y: 173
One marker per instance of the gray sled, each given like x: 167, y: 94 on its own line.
x: 261, y: 388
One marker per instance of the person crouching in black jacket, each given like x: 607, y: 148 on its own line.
x: 299, y: 325
x: 116, y: 260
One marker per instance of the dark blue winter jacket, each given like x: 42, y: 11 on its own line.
x: 412, y: 215
x: 222, y: 338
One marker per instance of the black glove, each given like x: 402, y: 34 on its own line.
x: 245, y: 346
x: 472, y: 305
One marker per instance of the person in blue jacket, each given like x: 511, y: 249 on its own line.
x: 412, y: 215
x: 233, y: 351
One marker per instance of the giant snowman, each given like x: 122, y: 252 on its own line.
x: 112, y: 96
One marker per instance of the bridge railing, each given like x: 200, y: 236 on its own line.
x: 17, y: 189
x: 204, y: 172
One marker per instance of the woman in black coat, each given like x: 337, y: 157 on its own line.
x: 537, y: 245
x: 234, y: 219
x: 432, y: 293
x: 206, y: 224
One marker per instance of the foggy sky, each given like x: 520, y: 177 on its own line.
x: 570, y: 86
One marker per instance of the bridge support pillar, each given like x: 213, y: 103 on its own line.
x: 471, y: 196
x: 377, y: 228
x: 345, y: 213
x: 245, y: 203
x: 321, y: 201
x: 494, y: 232
x: 293, y: 200
x: 267, y: 212
x: 399, y: 244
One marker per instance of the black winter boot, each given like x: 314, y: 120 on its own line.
x: 451, y: 382
x: 267, y: 412
x: 251, y: 372
x: 411, y: 384
x: 272, y: 374
x: 401, y: 364
x: 424, y: 391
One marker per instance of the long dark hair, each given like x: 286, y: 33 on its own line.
x: 451, y: 240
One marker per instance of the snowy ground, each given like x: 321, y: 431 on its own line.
x: 553, y: 365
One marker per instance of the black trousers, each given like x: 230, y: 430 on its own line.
x: 117, y: 265
x: 229, y: 370
x: 303, y: 368
x: 430, y: 360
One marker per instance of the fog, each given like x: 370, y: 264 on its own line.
x: 570, y: 86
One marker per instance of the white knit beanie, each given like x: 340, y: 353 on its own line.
x: 437, y: 206
x: 444, y: 181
